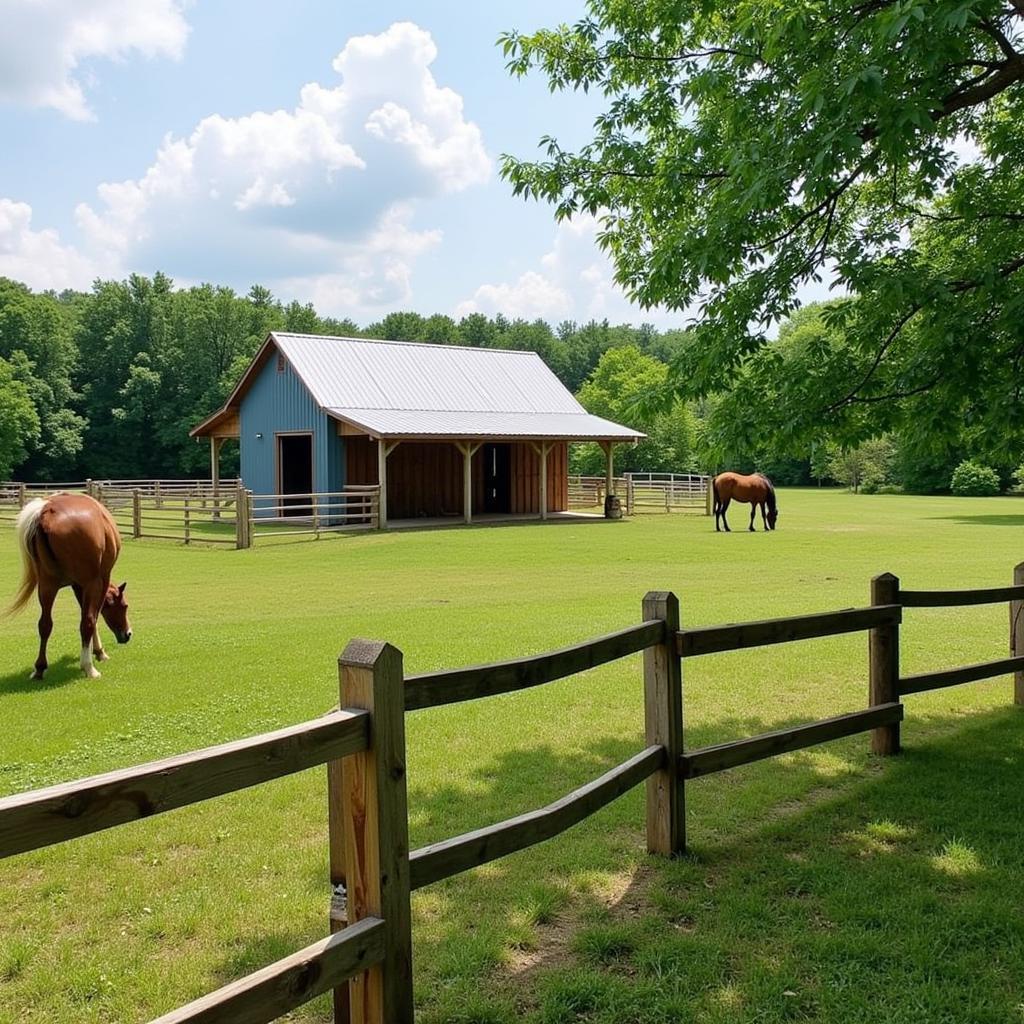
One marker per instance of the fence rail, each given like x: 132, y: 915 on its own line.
x: 645, y: 492
x: 368, y: 959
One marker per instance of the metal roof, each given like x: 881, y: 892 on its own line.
x: 403, y: 389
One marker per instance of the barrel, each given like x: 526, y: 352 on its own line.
x: 612, y: 507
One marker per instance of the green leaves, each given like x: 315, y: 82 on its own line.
x: 748, y: 150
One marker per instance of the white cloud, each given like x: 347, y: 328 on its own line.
x: 45, y: 42
x: 575, y: 281
x: 320, y: 199
x: 37, y: 258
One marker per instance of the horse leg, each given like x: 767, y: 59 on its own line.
x: 91, y: 601
x: 725, y: 508
x: 97, y: 641
x: 47, y: 595
x: 764, y: 514
x: 753, y: 513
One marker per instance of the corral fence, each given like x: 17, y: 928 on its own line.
x: 222, y: 512
x: 367, y: 958
x: 645, y: 492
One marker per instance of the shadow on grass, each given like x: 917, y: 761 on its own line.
x: 985, y: 520
x: 62, y: 672
x: 829, y: 885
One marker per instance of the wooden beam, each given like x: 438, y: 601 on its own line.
x: 42, y: 817
x: 435, y: 688
x: 543, y: 451
x: 467, y: 480
x: 271, y: 992
x: 737, y: 636
x: 453, y: 856
x: 609, y: 468
x: 955, y: 676
x: 382, y: 481
x: 956, y: 598
x: 721, y: 756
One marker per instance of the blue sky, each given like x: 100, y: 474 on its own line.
x: 343, y: 153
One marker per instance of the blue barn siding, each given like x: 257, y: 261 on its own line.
x: 278, y: 402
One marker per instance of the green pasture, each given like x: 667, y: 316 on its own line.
x: 826, y: 885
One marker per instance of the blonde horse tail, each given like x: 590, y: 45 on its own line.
x: 26, y: 528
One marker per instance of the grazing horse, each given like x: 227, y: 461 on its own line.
x: 70, y: 540
x: 756, y: 489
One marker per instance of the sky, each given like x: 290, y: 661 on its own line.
x: 343, y: 153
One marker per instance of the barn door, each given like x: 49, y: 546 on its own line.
x: 497, y: 478
x: 295, y: 472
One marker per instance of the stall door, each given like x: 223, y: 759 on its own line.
x: 497, y: 478
x: 295, y: 472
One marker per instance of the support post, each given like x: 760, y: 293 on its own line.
x: 467, y: 483
x: 708, y: 496
x: 215, y: 445
x: 1017, y: 634
x: 542, y: 452
x: 338, y: 914
x: 609, y: 467
x: 884, y: 664
x: 375, y: 818
x: 383, y: 451
x: 22, y: 495
x: 156, y: 494
x: 188, y: 523
x: 663, y: 717
x: 630, y: 494
x: 89, y: 488
x: 136, y: 514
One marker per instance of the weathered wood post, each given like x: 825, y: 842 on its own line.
x: 708, y: 497
x: 22, y: 495
x: 247, y: 504
x: 1017, y: 634
x: 630, y: 494
x: 156, y: 494
x: 884, y: 664
x: 316, y: 515
x: 136, y: 514
x: 375, y: 820
x: 240, y: 516
x: 663, y: 718
x: 188, y: 522
x: 89, y: 488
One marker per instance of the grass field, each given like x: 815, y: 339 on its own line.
x: 825, y: 885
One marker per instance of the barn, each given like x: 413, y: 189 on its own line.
x: 445, y: 431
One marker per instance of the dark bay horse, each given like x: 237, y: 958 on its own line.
x: 756, y: 489
x: 70, y: 540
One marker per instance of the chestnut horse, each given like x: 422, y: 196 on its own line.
x: 71, y: 540
x: 756, y: 489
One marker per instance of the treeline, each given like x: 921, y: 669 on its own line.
x: 108, y: 384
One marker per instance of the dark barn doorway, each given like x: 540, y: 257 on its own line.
x: 295, y: 472
x: 497, y: 478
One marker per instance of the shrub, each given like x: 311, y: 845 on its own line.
x: 974, y: 478
x: 1018, y: 479
x: 890, y: 489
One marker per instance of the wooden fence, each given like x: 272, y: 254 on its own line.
x: 644, y: 492
x: 367, y: 960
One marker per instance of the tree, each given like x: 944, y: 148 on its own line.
x: 613, y: 391
x: 868, y: 465
x: 749, y: 149
x: 19, y: 422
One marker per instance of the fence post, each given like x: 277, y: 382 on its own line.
x: 630, y: 494
x: 156, y: 494
x: 884, y: 664
x: 136, y: 514
x: 316, y: 517
x: 22, y: 498
x: 188, y: 531
x: 708, y: 496
x: 239, y: 517
x: 89, y: 488
x: 1017, y: 634
x: 248, y: 519
x: 375, y: 817
x: 663, y: 718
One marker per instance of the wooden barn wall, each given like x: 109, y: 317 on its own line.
x: 526, y: 478
x: 425, y: 478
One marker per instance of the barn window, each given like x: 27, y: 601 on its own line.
x: 280, y: 362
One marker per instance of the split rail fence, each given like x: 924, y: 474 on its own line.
x: 367, y: 958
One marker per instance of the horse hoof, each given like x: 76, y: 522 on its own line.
x: 91, y: 673
x: 37, y: 674
x: 101, y: 656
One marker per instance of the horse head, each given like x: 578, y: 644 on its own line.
x: 115, y: 613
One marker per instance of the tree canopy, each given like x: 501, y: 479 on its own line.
x: 749, y: 149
